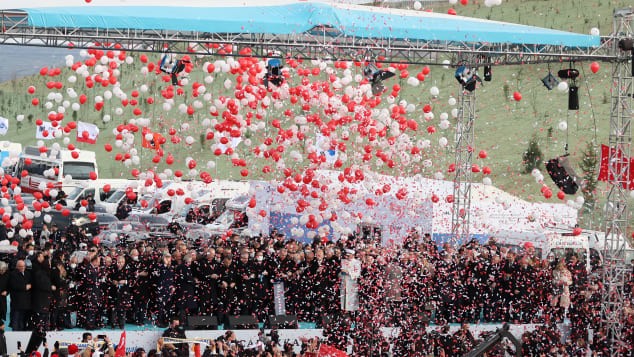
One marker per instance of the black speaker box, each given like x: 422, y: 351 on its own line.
x: 561, y: 178
x: 243, y: 322
x: 283, y: 322
x: 573, y: 98
x: 202, y: 322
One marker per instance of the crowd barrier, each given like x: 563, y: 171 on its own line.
x: 147, y: 339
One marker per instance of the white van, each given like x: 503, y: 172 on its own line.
x: 93, y: 189
x: 557, y: 243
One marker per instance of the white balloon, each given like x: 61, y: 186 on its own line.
x: 562, y: 86
x: 434, y: 91
x: 487, y: 181
x: 417, y: 5
x: 562, y: 125
x: 452, y: 101
x: 595, y: 31
x: 443, y: 142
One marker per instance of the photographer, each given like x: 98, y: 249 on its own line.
x: 175, y: 330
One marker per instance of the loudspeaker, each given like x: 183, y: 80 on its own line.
x: 243, y: 322
x: 488, y: 74
x: 550, y: 81
x: 283, y: 322
x: 573, y: 98
x: 568, y: 73
x: 560, y: 176
x: 202, y: 322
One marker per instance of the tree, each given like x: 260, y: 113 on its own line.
x: 532, y: 158
x: 588, y: 165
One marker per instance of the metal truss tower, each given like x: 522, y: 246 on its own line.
x: 464, y: 146
x: 616, y: 215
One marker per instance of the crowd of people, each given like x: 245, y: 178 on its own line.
x: 350, y: 288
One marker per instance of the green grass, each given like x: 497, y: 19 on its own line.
x: 503, y: 126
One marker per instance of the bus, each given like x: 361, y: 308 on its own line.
x: 39, y: 171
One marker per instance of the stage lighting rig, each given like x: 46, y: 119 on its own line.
x: 468, y: 77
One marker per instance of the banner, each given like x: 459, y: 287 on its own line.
x: 45, y: 131
x: 87, y: 133
x: 233, y: 143
x: 4, y: 126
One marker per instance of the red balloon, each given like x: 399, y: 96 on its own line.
x: 451, y: 12
x: 482, y: 154
x: 93, y: 175
x: 594, y: 67
x: 561, y: 195
x: 517, y: 96
x: 577, y: 231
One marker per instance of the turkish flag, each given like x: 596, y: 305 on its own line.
x: 329, y: 351
x: 620, y: 161
x: 120, y: 352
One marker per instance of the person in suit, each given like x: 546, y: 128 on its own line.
x: 3, y: 340
x: 42, y: 293
x: 20, y: 291
x: 4, y: 289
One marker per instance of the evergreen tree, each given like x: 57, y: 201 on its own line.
x: 532, y: 158
x: 588, y: 165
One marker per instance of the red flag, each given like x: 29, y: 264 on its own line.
x: 329, y: 351
x: 605, y: 163
x: 120, y: 352
x: 155, y: 141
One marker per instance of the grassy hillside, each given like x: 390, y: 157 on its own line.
x: 503, y: 126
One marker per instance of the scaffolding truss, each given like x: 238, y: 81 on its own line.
x: 616, y: 210
x: 322, y: 42
x: 464, y: 146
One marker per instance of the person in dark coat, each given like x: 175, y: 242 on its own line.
x: 186, y: 297
x: 244, y: 278
x: 20, y: 291
x: 175, y: 330
x: 92, y: 293
x: 205, y: 271
x: 164, y: 282
x: 60, y: 314
x: 3, y: 340
x: 139, y: 283
x: 4, y: 289
x: 121, y: 294
x: 42, y: 292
